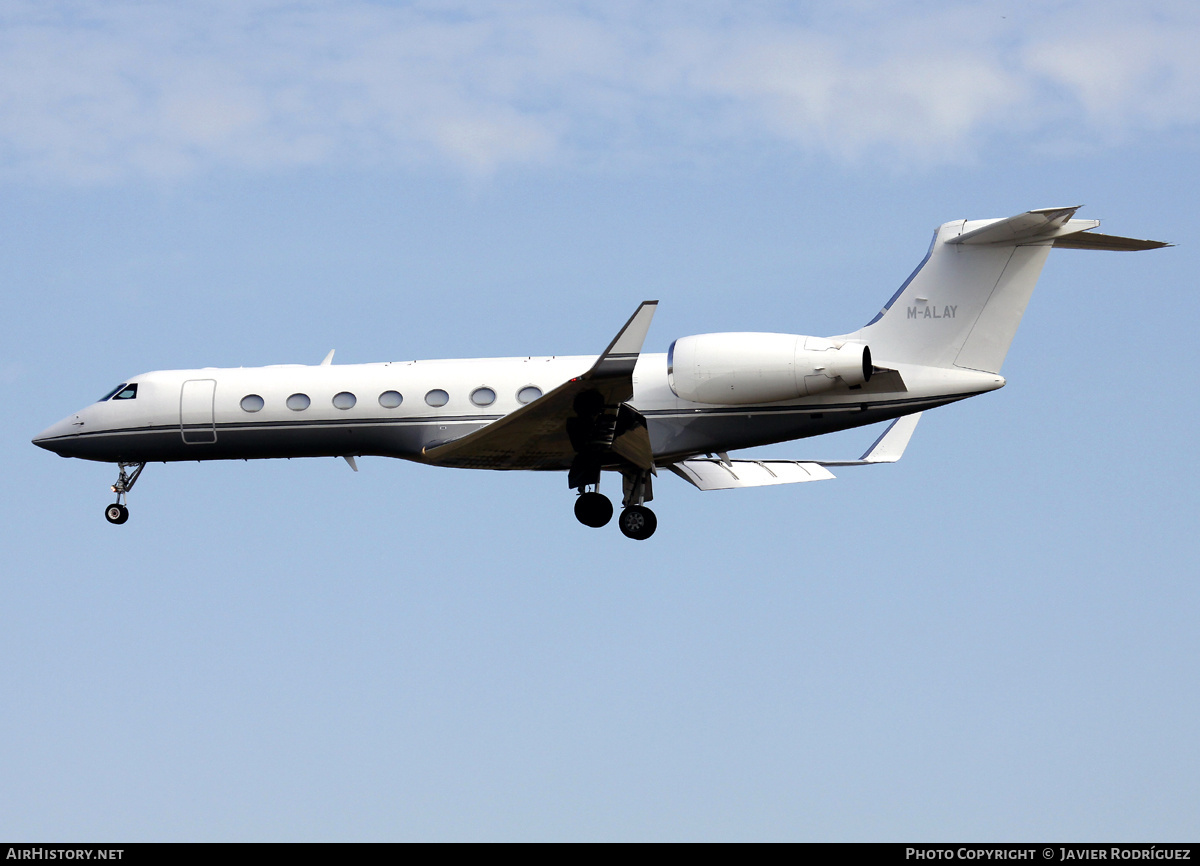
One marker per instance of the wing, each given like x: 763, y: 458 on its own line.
x: 550, y: 431
x: 709, y: 473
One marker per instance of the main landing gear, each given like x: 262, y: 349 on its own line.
x: 118, y: 512
x: 593, y: 430
x: 637, y: 522
x: 593, y: 508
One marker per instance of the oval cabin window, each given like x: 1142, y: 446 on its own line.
x: 528, y: 394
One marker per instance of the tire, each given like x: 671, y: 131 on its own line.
x: 116, y: 513
x: 593, y: 509
x: 637, y: 522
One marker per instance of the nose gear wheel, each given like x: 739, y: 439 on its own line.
x: 118, y: 512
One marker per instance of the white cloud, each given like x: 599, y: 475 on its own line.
x: 1127, y: 77
x: 94, y: 91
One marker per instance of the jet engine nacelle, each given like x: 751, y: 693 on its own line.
x: 741, y: 368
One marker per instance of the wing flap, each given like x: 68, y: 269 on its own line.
x: 632, y: 438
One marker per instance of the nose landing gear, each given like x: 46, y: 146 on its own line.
x: 118, y: 512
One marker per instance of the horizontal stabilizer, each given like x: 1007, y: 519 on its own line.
x: 1093, y: 241
x: 1052, y: 224
x: 1029, y: 227
x: 712, y: 474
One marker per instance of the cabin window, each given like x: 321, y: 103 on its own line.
x: 390, y: 399
x: 344, y: 400
x: 437, y: 397
x: 252, y: 403
x: 528, y: 394
x: 129, y: 392
x: 111, y: 393
x: 298, y: 402
x: 483, y: 396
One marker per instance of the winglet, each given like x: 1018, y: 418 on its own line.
x: 328, y: 358
x: 889, y: 447
x: 622, y: 353
x: 630, y: 338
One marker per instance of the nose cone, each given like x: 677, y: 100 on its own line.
x: 58, y: 437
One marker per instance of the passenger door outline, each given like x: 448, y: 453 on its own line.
x: 197, y: 416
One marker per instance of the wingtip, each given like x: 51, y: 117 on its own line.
x: 630, y: 338
x: 891, y: 444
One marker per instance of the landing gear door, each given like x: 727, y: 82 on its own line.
x: 196, y: 422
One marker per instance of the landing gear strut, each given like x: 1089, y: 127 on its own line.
x: 637, y: 521
x: 599, y: 433
x: 118, y: 512
x: 592, y: 508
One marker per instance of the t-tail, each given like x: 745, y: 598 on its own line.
x: 962, y: 305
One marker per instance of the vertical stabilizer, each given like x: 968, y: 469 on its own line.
x: 962, y: 305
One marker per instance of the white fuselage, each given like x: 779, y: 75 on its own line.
x: 204, y: 414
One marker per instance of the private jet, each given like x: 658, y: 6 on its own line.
x: 942, y: 337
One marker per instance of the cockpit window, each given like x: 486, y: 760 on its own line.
x: 127, y: 392
x: 111, y: 393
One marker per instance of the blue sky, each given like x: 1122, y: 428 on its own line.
x: 993, y: 639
